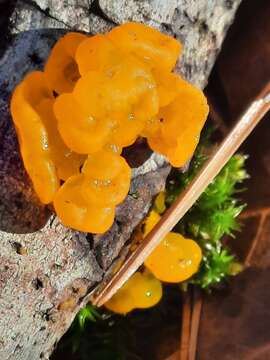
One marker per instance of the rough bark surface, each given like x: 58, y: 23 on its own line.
x: 46, y: 270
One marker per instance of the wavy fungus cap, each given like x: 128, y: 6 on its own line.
x: 97, y: 95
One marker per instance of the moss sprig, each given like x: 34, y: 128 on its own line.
x: 214, y: 215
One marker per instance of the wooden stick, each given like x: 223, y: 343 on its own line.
x: 188, y: 197
x: 195, y: 323
x: 186, y: 326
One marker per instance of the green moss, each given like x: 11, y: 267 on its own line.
x: 213, y: 215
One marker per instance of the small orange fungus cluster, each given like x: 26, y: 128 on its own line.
x: 96, y: 95
x: 174, y: 260
x: 141, y: 291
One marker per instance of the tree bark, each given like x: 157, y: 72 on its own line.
x: 46, y: 270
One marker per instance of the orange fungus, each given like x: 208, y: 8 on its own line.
x: 96, y: 95
x: 141, y: 291
x: 176, y: 258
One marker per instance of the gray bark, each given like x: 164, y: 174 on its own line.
x: 46, y: 270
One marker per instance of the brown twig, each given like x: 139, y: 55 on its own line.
x: 195, y: 322
x: 255, y: 240
x: 217, y: 119
x: 246, y: 214
x: 186, y: 325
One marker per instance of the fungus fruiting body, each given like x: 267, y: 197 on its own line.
x: 141, y: 291
x: 33, y: 135
x: 96, y: 95
x: 176, y: 258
